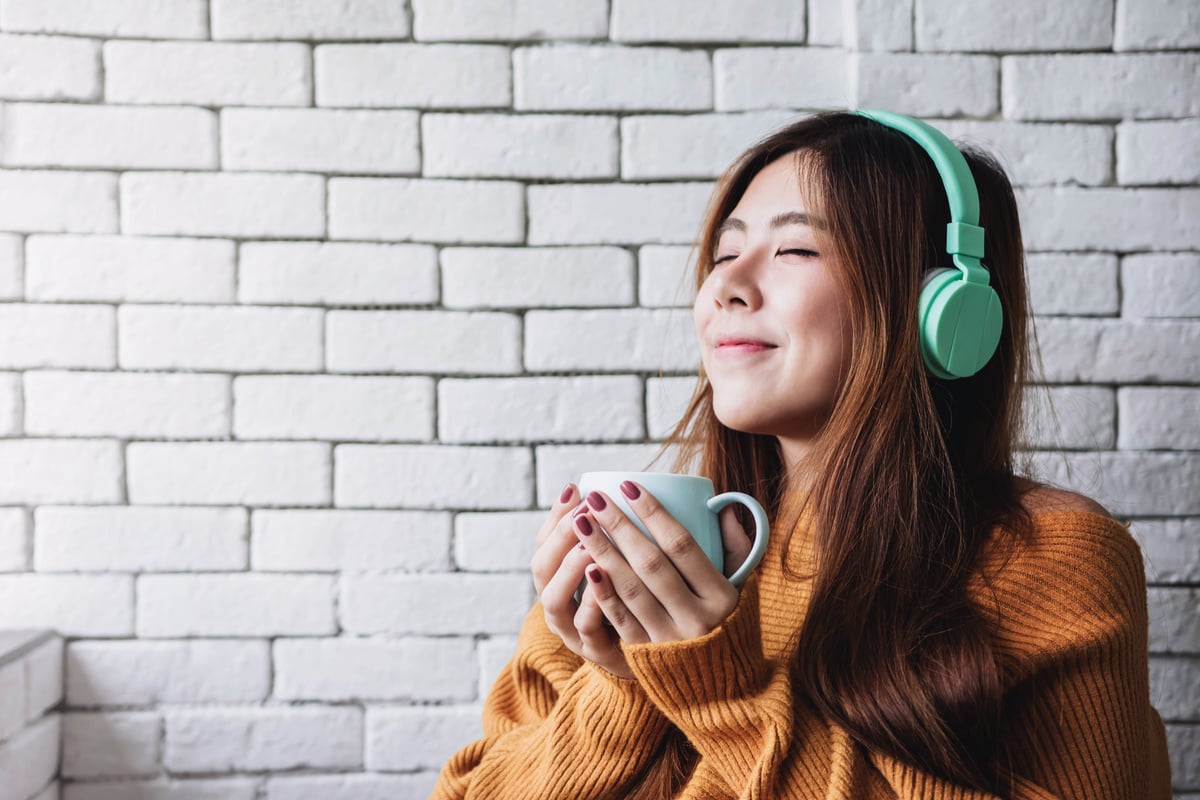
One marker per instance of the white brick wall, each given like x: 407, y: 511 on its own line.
x: 310, y: 308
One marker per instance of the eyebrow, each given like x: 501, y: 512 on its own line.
x: 778, y: 221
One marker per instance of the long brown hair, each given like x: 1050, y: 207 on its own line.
x: 910, y: 474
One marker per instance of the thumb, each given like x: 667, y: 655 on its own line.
x: 734, y: 540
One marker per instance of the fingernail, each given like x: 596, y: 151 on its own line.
x: 596, y: 501
x: 583, y: 525
x: 566, y: 494
x: 630, y: 490
x: 594, y: 575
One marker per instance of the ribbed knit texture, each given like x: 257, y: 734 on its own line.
x: 1071, y: 645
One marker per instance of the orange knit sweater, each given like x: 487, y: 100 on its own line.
x: 1071, y: 645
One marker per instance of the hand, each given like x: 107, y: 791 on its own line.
x: 662, y: 592
x: 558, y: 568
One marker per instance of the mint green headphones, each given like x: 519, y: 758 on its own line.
x: 959, y: 313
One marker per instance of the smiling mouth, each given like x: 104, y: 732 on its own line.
x: 735, y: 346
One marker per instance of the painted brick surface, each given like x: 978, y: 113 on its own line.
x: 311, y: 309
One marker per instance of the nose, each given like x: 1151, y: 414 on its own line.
x: 736, y: 283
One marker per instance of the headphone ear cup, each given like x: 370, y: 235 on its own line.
x: 959, y: 324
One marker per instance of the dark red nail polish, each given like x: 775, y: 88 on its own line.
x: 630, y: 490
x: 596, y: 501
x: 583, y: 525
x: 594, y: 575
x: 566, y: 494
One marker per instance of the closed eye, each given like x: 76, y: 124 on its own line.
x: 723, y: 259
x: 801, y: 253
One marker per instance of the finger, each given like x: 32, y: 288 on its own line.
x: 549, y: 555
x: 558, y: 598
x: 635, y: 595
x: 676, y: 568
x: 734, y: 539
x: 568, y: 498
x: 609, y: 604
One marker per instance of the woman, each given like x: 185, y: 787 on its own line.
x: 926, y: 623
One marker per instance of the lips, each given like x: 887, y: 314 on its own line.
x: 742, y: 344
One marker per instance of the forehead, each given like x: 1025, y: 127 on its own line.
x: 776, y: 188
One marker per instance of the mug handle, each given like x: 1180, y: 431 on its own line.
x: 761, y: 528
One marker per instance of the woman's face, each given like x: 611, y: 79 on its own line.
x: 771, y: 319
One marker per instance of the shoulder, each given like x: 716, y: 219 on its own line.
x: 1042, y: 499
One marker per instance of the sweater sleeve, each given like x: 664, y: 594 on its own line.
x: 555, y: 726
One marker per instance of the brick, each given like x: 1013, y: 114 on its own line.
x: 336, y: 541
x: 666, y: 401
x: 611, y: 340
x: 442, y: 211
x: 12, y: 698
x: 309, y: 19
x: 132, y: 539
x: 415, y: 738
x: 337, y: 273
x: 929, y: 84
x: 1125, y: 220
x: 36, y: 471
x: 57, y: 202
x: 207, y: 73
x: 72, y: 605
x: 1159, y: 418
x: 496, y: 542
x: 747, y: 78
x: 229, y: 473
x: 557, y: 464
x: 333, y: 407
x: 445, y: 342
x: 1070, y: 417
x: 11, y: 404
x: 118, y: 19
x: 1183, y: 743
x: 1171, y: 548
x: 43, y: 678
x: 97, y: 745
x: 1175, y: 688
x: 825, y: 23
x: 320, y: 140
x: 690, y: 146
x: 121, y: 269
x: 30, y: 759
x: 1157, y: 25
x: 114, y: 137
x: 1038, y: 154
x: 1118, y: 86
x: 173, y: 606
x: 262, y: 739
x: 1174, y: 619
x: 1074, y: 284
x: 48, y: 67
x: 540, y: 409
x: 223, y: 204
x: 509, y: 20
x: 432, y: 476
x: 610, y: 78
x: 472, y: 76
x: 148, y: 673
x: 352, y: 786
x: 657, y: 213
x: 126, y: 405
x: 15, y: 540
x: 44, y: 335
x: 524, y: 277
x: 1128, y: 484
x: 1158, y: 152
x: 1015, y: 25
x: 528, y: 146
x: 347, y: 670
x: 707, y: 21
x: 494, y: 654
x: 224, y: 338
x: 1155, y: 285
x: 465, y: 604
x: 1119, y: 351
x: 163, y: 789
x: 12, y: 267
x: 665, y: 277
x: 879, y: 25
